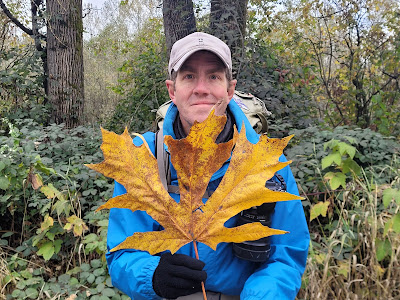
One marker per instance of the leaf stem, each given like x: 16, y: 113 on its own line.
x: 197, y: 256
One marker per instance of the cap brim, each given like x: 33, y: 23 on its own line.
x: 180, y: 62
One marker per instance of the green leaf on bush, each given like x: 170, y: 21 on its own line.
x: 100, y: 287
x: 91, y: 278
x: 96, y: 263
x: 392, y: 224
x: 56, y: 288
x: 351, y: 139
x: 26, y: 274
x: 99, y: 271
x: 33, y: 280
x: 31, y: 293
x: 49, y: 190
x: 47, y: 223
x: 4, y: 183
x: 21, y: 285
x: 350, y: 165
x: 396, y: 223
x: 85, y: 267
x: 346, y: 148
x: 90, y: 238
x: 336, y: 179
x: 46, y: 250
x: 327, y: 161
x: 2, y: 165
x: 83, y: 275
x: 73, y: 281
x: 383, y: 249
x: 57, y: 245
x: 103, y: 223
x: 331, y: 144
x: 62, y: 206
x: 389, y: 195
x: 64, y: 278
x: 108, y: 292
x: 7, y: 234
x: 18, y: 293
x: 319, y: 209
x: 108, y: 282
x: 41, y: 167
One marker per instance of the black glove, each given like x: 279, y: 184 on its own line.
x: 178, y: 275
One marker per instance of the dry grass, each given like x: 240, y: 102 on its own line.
x: 344, y: 264
x: 3, y: 273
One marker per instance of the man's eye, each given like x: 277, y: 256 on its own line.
x: 188, y: 76
x: 213, y: 77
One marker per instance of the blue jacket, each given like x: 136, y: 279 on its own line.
x: 279, y: 278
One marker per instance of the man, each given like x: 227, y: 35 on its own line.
x: 200, y: 71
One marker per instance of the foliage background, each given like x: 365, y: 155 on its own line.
x: 328, y: 72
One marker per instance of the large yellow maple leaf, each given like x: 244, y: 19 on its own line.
x: 195, y: 159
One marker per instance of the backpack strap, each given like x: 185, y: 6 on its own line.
x: 163, y: 166
x: 162, y: 158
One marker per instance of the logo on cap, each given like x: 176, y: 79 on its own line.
x: 201, y: 42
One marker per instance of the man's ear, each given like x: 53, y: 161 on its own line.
x: 171, y: 89
x: 231, y: 88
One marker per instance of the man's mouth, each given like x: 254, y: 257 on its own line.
x: 203, y: 103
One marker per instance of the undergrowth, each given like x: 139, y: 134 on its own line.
x: 354, y: 217
x: 53, y: 244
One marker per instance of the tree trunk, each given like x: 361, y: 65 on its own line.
x: 65, y: 61
x: 228, y: 22
x: 362, y: 105
x: 37, y: 37
x: 179, y: 20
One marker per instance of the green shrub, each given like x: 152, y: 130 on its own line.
x: 374, y: 152
x: 354, y: 215
x: 21, y: 81
x: 142, y: 84
x: 47, y: 203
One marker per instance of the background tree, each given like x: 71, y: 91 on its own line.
x: 65, y: 61
x: 349, y: 50
x: 21, y: 67
x: 253, y: 63
x: 179, y: 20
x: 228, y: 22
x: 62, y: 56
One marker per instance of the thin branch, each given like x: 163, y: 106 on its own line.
x: 395, y: 77
x: 14, y: 20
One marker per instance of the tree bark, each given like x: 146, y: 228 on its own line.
x: 65, y: 61
x: 228, y: 22
x: 33, y: 33
x: 179, y: 20
x: 37, y: 37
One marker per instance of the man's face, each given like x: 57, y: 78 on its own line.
x: 201, y: 83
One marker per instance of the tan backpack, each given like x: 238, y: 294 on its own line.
x: 253, y: 108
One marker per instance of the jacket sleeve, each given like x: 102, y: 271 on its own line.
x: 280, y: 276
x: 131, y: 270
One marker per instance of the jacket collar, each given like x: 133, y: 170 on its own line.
x: 240, y: 120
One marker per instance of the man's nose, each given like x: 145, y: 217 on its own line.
x: 201, y: 87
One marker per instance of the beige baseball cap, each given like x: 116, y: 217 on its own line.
x: 185, y: 47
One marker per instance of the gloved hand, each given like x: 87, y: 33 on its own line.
x: 178, y: 275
